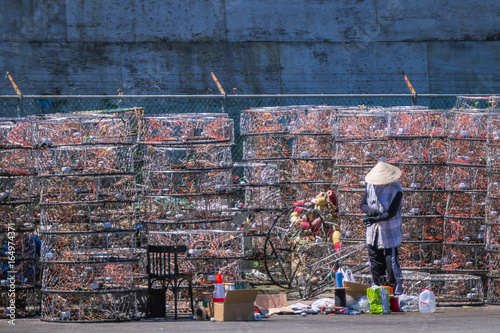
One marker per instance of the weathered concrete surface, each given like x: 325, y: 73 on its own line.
x: 239, y: 20
x: 283, y: 46
x: 353, y: 67
x: 145, y: 21
x: 464, y: 66
x: 449, y: 319
x: 438, y: 20
x: 32, y: 21
x: 299, y: 20
x: 154, y: 68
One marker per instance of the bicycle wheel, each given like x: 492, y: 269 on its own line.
x: 294, y: 244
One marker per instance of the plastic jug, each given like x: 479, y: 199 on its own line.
x: 427, y: 301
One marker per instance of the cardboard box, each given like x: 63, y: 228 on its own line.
x: 355, y: 290
x: 270, y: 301
x: 238, y: 305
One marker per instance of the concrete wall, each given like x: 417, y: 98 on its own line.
x: 258, y: 46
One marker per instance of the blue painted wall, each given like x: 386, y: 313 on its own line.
x: 257, y: 46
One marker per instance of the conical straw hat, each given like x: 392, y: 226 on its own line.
x: 383, y: 173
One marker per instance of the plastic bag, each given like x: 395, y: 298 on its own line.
x: 379, y: 300
x: 408, y: 302
x: 362, y: 304
x: 318, y: 304
x: 346, y: 275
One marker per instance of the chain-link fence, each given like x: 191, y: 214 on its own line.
x: 16, y: 106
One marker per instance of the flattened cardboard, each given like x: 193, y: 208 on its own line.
x: 271, y: 301
x: 355, y: 290
x: 282, y: 310
x: 238, y: 305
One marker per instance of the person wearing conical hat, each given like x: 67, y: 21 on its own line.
x: 382, y: 202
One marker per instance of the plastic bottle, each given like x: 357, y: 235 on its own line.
x: 427, y: 301
x: 339, y: 276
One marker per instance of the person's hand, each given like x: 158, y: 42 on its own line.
x: 374, y: 212
x: 368, y: 221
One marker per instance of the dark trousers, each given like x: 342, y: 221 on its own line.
x: 382, y: 261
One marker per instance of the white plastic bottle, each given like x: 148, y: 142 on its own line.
x: 427, y: 301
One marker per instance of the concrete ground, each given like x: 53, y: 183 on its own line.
x: 445, y: 319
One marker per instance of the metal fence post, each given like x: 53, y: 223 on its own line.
x: 20, y: 106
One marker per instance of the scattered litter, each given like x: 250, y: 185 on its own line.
x: 322, y: 302
x: 299, y: 307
